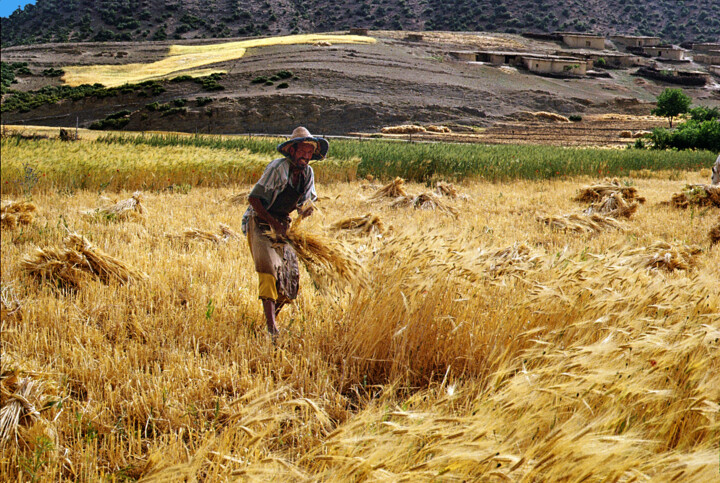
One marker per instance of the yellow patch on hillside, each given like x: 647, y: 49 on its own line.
x: 182, y: 58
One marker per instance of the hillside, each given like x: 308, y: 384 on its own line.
x: 137, y: 20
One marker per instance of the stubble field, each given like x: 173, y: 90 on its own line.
x: 487, y: 345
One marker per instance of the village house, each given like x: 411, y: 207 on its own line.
x: 669, y: 52
x: 706, y: 48
x: 465, y: 55
x: 635, y: 40
x: 583, y: 41
x: 496, y: 57
x: 555, y: 65
x: 606, y: 59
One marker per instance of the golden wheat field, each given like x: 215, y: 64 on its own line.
x: 486, y: 344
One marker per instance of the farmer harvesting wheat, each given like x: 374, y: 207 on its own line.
x: 285, y: 186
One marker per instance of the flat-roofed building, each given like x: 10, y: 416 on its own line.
x: 636, y: 40
x: 706, y: 47
x: 465, y: 55
x: 669, y: 52
x: 583, y: 41
x: 550, y: 64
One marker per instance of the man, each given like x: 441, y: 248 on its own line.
x: 285, y: 186
x: 716, y: 171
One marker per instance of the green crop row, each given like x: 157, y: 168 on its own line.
x: 423, y: 161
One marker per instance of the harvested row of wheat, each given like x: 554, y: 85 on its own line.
x: 76, y: 261
x: 328, y: 262
x: 394, y: 189
x: 440, y: 129
x: 582, y: 223
x: 131, y: 208
x: 516, y: 258
x: 550, y: 116
x: 613, y: 205
x: 599, y: 191
x: 697, y: 195
x: 661, y: 255
x: 225, y: 235
x: 425, y: 201
x: 364, y: 224
x: 403, y: 129
x: 14, y: 213
x: 715, y: 233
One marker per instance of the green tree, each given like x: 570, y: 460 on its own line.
x: 672, y: 102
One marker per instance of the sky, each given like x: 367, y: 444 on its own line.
x: 9, y: 6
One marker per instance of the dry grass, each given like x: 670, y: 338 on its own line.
x: 403, y: 129
x: 701, y: 195
x: 188, y: 58
x: 485, y: 347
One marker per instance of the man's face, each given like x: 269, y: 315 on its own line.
x: 302, y: 153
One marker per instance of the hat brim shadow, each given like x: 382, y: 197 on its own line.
x: 320, y: 151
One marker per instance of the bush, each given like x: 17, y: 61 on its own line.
x: 181, y: 78
x: 119, y: 114
x: 689, y: 135
x: 283, y: 85
x: 201, y: 101
x: 259, y: 80
x: 284, y: 74
x: 179, y: 102
x: 52, y: 72
x: 575, y: 118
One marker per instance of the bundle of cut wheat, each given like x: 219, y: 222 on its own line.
x: 225, y: 235
x: 131, y: 208
x: 240, y: 198
x: 363, y: 224
x: 431, y: 201
x: 715, y: 233
x: 328, y: 262
x: 550, y: 116
x: 697, y: 195
x: 439, y: 129
x: 626, y: 134
x: 394, y: 189
x: 662, y: 255
x: 18, y: 395
x: 515, y: 258
x: 582, y: 223
x: 446, y: 189
x: 78, y: 259
x: 14, y: 213
x: 599, y: 191
x: 613, y: 205
x: 403, y: 129
x: 10, y: 305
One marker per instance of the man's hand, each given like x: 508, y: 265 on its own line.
x: 306, y: 211
x: 279, y: 228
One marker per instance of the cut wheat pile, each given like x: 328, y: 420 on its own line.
x: 425, y: 201
x: 129, y: 209
x: 613, y: 205
x: 363, y: 224
x: 701, y: 195
x: 16, y: 213
x: 608, y: 187
x: 394, y: 189
x: 582, y: 223
x: 403, y: 129
x: 225, y: 235
x: 71, y: 265
x: 550, y: 116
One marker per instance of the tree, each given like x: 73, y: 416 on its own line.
x: 672, y: 102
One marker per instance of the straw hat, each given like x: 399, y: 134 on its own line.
x: 302, y: 135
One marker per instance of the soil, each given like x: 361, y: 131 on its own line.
x: 358, y: 89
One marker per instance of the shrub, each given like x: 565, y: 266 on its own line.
x: 181, y: 78
x: 284, y: 74
x: 575, y: 118
x: 201, y: 101
x: 52, y: 72
x: 283, y: 85
x: 259, y: 80
x: 179, y: 102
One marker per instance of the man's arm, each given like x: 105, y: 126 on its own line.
x: 264, y: 215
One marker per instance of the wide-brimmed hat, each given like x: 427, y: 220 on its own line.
x: 302, y: 135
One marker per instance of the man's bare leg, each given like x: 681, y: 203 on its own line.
x: 269, y: 309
